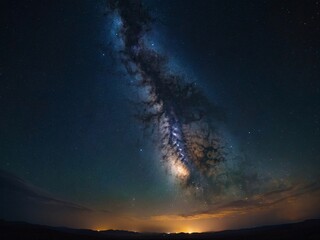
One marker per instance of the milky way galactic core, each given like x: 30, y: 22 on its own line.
x: 192, y: 147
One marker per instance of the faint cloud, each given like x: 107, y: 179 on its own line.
x: 243, y: 206
x: 21, y: 191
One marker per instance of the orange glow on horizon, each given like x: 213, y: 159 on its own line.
x: 292, y: 207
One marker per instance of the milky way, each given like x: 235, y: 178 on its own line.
x: 183, y: 117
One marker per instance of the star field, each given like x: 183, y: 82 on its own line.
x: 78, y: 91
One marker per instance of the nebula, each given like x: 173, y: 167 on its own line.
x: 181, y: 117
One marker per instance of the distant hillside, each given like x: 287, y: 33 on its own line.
x: 309, y: 229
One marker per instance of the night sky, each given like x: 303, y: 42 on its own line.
x: 79, y: 78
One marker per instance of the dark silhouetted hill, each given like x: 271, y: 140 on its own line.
x: 309, y: 229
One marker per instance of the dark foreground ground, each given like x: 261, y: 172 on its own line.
x: 309, y: 229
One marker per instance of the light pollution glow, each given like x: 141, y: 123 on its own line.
x: 297, y: 203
